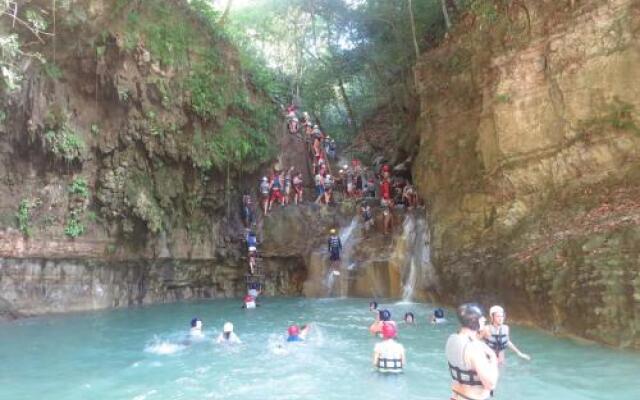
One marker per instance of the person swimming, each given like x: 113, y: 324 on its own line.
x: 409, y: 318
x: 296, y: 334
x: 389, y: 355
x: 438, y: 317
x: 196, y: 328
x: 227, y: 336
x: 249, y: 302
x: 383, y: 316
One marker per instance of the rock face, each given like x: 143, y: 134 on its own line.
x: 530, y: 162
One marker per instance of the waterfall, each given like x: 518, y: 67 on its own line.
x: 416, y: 233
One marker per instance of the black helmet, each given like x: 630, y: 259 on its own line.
x: 469, y: 315
x: 438, y: 313
x: 385, y: 315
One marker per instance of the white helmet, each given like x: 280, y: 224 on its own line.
x: 328, y: 176
x: 315, y: 127
x: 340, y: 172
x: 252, y: 248
x: 496, y: 309
x: 264, y: 179
x: 228, y: 327
x: 345, y: 166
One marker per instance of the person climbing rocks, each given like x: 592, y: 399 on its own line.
x: 496, y: 335
x: 248, y: 210
x: 334, y: 245
x: 384, y: 316
x: 196, y: 328
x: 252, y: 239
x: 228, y: 336
x: 298, y: 187
x: 332, y: 148
x: 386, y: 216
x: 438, y: 317
x: 253, y: 259
x: 287, y: 186
x: 319, y: 181
x: 472, y: 364
x: 367, y: 218
x: 328, y: 189
x: 264, y: 194
x: 292, y: 119
x: 276, y: 189
x: 409, y: 197
x: 389, y: 355
x: 297, y: 334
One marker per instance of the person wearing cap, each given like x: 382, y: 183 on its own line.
x: 264, y: 194
x: 249, y: 302
x: 297, y: 334
x: 383, y: 317
x: 253, y: 259
x: 334, y: 246
x: 227, y: 336
x: 196, y: 328
x: 389, y: 355
x: 472, y: 364
x: 496, y: 335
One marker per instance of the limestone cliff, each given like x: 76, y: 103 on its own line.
x: 125, y: 144
x: 529, y: 160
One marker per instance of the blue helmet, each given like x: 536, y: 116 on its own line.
x: 438, y: 313
x: 385, y: 315
x: 194, y: 321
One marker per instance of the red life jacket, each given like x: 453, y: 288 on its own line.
x: 385, y: 189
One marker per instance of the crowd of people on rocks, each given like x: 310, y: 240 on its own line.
x: 473, y: 353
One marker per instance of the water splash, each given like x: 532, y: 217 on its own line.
x: 163, y: 347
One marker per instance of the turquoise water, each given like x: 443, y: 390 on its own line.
x: 139, y: 354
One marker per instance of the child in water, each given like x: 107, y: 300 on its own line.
x: 296, y: 334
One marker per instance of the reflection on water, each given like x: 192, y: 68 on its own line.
x: 146, y: 353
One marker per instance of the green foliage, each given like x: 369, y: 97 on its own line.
x: 207, y: 92
x: 79, y: 187
x: 23, y: 217
x: 3, y: 116
x: 52, y: 71
x: 74, y: 226
x: 64, y: 144
x: 37, y: 22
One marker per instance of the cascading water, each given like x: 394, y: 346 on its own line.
x: 415, y: 232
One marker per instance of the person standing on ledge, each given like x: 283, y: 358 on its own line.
x: 496, y: 335
x: 334, y: 246
x: 472, y: 364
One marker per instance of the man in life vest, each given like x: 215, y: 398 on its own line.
x: 253, y: 259
x: 264, y: 194
x: 276, y: 188
x: 249, y: 302
x: 472, y: 364
x: 296, y: 334
x: 388, y: 355
x: 252, y: 239
x: 227, y: 336
x: 196, y: 328
x: 298, y: 187
x: 367, y: 218
x: 496, y: 335
x: 319, y: 181
x: 385, y: 171
x: 334, y: 246
x: 328, y: 189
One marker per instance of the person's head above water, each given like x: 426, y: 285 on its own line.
x: 228, y: 327
x: 385, y: 315
x: 438, y: 313
x: 196, y: 323
x: 389, y: 331
x: 409, y: 317
x: 373, y: 305
x: 471, y: 316
x: 293, y: 331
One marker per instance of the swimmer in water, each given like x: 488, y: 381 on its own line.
x: 438, y: 317
x: 472, y: 364
x: 227, y: 336
x: 373, y: 307
x: 409, y: 318
x: 296, y: 334
x: 196, y: 328
x: 389, y: 355
x: 496, y: 335
x: 249, y: 302
x: 384, y: 316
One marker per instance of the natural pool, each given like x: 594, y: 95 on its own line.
x: 137, y: 354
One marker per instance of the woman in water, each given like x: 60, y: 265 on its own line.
x: 384, y: 316
x: 438, y: 317
x: 409, y: 318
x: 196, y: 328
x: 496, y: 335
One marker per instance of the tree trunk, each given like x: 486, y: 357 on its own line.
x: 347, y: 105
x: 413, y: 30
x: 445, y: 12
x: 225, y: 14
